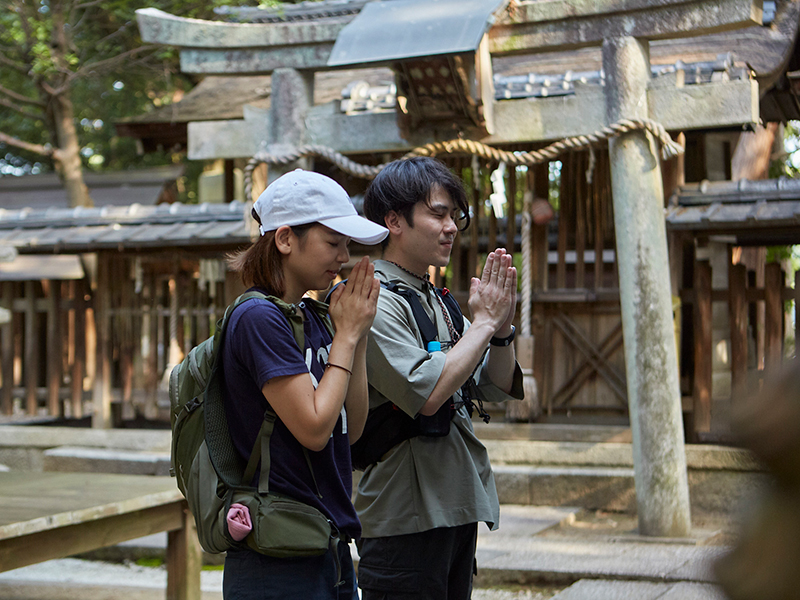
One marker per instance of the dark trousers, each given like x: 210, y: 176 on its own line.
x: 437, y: 565
x: 252, y: 576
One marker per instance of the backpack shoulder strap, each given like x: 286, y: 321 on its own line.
x: 321, y: 310
x: 260, y: 450
x: 288, y: 310
x: 427, y: 328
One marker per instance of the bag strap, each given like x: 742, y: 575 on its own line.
x: 427, y: 329
x: 221, y: 451
x: 261, y: 445
x: 261, y: 452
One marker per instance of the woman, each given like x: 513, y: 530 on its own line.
x: 319, y: 392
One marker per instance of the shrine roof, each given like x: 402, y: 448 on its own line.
x: 134, y: 227
x: 765, y: 212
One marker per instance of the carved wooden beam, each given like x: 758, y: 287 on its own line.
x: 566, y: 24
x: 734, y: 103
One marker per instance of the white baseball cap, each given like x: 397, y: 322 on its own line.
x: 301, y: 197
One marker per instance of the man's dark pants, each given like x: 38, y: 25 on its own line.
x: 432, y: 565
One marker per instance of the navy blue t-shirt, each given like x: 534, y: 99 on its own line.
x: 260, y: 346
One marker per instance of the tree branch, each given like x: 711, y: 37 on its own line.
x: 17, y: 109
x: 35, y: 148
x: 110, y: 64
x: 19, y: 67
x: 85, y: 5
x: 21, y: 98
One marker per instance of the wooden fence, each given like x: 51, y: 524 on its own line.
x: 72, y: 346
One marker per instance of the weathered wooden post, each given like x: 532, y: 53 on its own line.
x: 292, y: 95
x: 654, y: 399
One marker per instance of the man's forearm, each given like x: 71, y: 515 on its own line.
x: 500, y: 366
x: 459, y: 364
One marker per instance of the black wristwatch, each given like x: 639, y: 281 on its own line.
x: 496, y: 341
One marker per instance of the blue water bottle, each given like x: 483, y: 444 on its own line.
x: 434, y: 346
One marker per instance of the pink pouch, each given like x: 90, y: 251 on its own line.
x: 239, y: 522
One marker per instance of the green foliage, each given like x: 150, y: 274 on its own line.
x: 789, y: 166
x: 103, y: 68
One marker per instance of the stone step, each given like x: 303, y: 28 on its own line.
x: 600, y: 476
x: 593, y: 476
x: 593, y: 589
x: 613, y: 489
x: 105, y: 460
x: 559, y: 556
x: 551, y: 432
x: 699, y: 457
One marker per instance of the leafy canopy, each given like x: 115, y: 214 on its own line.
x: 91, y: 51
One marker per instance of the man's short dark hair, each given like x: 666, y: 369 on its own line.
x: 402, y: 184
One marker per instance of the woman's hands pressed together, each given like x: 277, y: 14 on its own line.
x: 353, y: 304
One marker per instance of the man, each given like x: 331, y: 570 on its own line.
x: 420, y: 504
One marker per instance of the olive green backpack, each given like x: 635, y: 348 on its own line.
x: 210, y: 473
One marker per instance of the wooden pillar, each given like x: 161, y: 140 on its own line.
x: 598, y: 220
x: 7, y: 349
x: 703, y: 348
x: 563, y: 219
x: 79, y: 360
x: 582, y: 201
x: 229, y: 180
x: 511, y: 213
x: 54, y: 348
x: 203, y: 304
x: 101, y: 400
x: 773, y: 327
x: 126, y: 340
x: 737, y: 309
x: 31, y: 354
x: 184, y: 561
x: 654, y: 397
x: 151, y: 403
x: 474, y: 228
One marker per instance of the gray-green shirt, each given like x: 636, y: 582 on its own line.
x: 424, y: 482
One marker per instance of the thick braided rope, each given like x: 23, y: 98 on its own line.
x: 669, y: 148
x: 331, y: 155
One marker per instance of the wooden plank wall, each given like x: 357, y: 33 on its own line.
x: 68, y: 343
x: 753, y: 312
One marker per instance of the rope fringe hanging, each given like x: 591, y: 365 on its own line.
x: 669, y: 149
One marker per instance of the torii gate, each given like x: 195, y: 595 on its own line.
x: 623, y: 28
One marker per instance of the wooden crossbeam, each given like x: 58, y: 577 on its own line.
x: 159, y: 27
x: 566, y: 24
x: 596, y: 359
x: 678, y: 109
x: 607, y: 347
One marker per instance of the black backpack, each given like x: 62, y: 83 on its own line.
x: 387, y: 425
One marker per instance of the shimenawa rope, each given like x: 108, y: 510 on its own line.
x: 669, y: 149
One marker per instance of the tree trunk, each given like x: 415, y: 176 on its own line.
x: 68, y: 157
x: 69, y: 160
